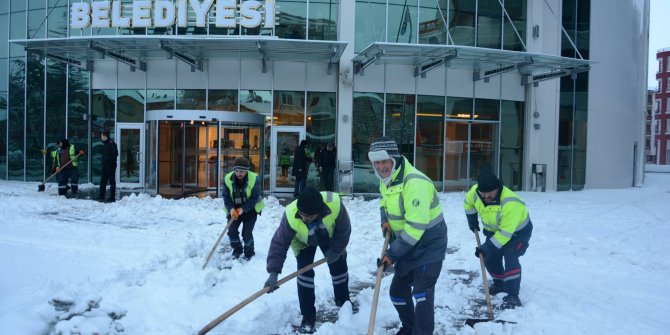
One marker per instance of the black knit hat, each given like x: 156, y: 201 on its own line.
x: 310, y: 201
x: 384, y: 148
x: 106, y: 133
x: 487, y: 181
x: 241, y: 164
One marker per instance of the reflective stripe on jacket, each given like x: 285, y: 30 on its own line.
x: 504, y: 218
x: 252, y: 178
x: 302, y: 232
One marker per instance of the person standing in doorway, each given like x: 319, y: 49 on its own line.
x: 327, y: 159
x: 300, y: 165
x: 411, y: 211
x: 65, y: 163
x: 243, y: 202
x: 109, y: 155
x: 285, y: 163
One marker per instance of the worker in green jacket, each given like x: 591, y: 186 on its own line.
x: 411, y: 211
x: 507, y: 228
x: 65, y: 163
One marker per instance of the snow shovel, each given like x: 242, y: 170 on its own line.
x: 218, y: 241
x: 378, y: 282
x: 489, y: 308
x: 255, y: 296
x: 40, y: 187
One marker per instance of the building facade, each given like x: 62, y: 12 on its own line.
x: 661, y: 117
x: 526, y: 87
x: 649, y: 131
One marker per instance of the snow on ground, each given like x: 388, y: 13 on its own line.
x: 597, y: 264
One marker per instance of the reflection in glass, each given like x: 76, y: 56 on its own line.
x: 459, y: 108
x: 399, y: 123
x: 323, y: 20
x: 487, y: 109
x: 255, y: 101
x: 516, y: 9
x: 289, y: 108
x: 432, y: 24
x: 489, y: 20
x: 77, y: 124
x: 3, y: 134
x: 483, y: 148
x: 129, y: 143
x: 370, y: 23
x: 293, y: 20
x: 287, y: 142
x: 429, y: 139
x: 402, y: 21
x: 160, y: 99
x: 55, y: 113
x: 456, y: 156
x: 130, y: 105
x: 37, y: 22
x: 222, y: 100
x: 15, y: 129
x: 4, y: 37
x: 191, y: 99
x: 58, y: 19
x: 368, y: 118
x: 321, y: 124
x: 151, y: 157
x: 17, y: 28
x: 35, y: 160
x: 511, y: 144
x: 462, y: 21
x: 102, y: 118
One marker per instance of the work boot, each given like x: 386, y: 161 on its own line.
x: 249, y: 252
x: 237, y: 252
x: 511, y: 302
x: 404, y: 331
x: 308, y: 324
x: 496, y: 288
x: 109, y: 200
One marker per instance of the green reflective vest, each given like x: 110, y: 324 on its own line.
x: 504, y: 219
x: 300, y: 240
x: 411, y: 204
x: 56, y: 157
x: 251, y: 181
x: 284, y: 159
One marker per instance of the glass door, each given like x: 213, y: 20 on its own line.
x: 283, y: 143
x: 131, y: 151
x: 151, y: 158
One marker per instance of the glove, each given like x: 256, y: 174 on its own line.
x: 81, y: 152
x: 53, y: 170
x: 57, y: 170
x: 479, y: 251
x: 271, y: 282
x: 235, y: 213
x: 386, y: 261
x: 474, y: 226
x: 385, y: 227
x: 332, y: 256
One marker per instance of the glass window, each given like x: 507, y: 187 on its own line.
x: 160, y: 99
x: 35, y: 160
x: 16, y: 118
x: 483, y: 148
x: 462, y: 21
x: 76, y: 109
x: 4, y: 8
x: 667, y: 105
x: 456, y: 156
x: 103, y: 106
x: 487, y: 109
x: 516, y: 9
x: 3, y: 74
x: 370, y: 23
x: 36, y: 4
x: 511, y: 144
x: 399, y: 123
x: 429, y: 139
x: 37, y: 23
x: 130, y: 106
x: 55, y: 113
x: 368, y: 118
x: 432, y: 22
x: 402, y: 23
x: 321, y: 124
x: 667, y: 84
x: 18, y: 5
x: 289, y: 108
x: 4, y: 36
x: 323, y: 20
x: 58, y: 19
x: 256, y: 101
x: 460, y: 108
x: 292, y: 19
x: 17, y: 27
x: 222, y: 100
x: 191, y: 99
x: 667, y: 126
x: 489, y: 20
x: 3, y: 134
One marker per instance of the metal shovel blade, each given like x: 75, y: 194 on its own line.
x: 40, y: 188
x: 472, y: 322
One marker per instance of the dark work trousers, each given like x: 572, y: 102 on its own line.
x: 509, y: 274
x: 328, y: 179
x: 300, y: 182
x: 108, y: 175
x: 338, y: 272
x: 248, y: 221
x: 420, y: 284
x: 63, y: 177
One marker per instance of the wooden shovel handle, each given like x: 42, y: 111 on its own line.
x: 378, y: 281
x: 254, y: 296
x: 218, y: 241
x: 489, y: 308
